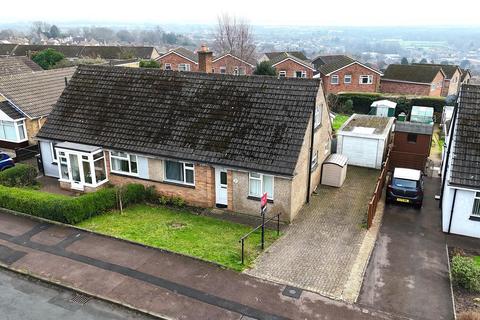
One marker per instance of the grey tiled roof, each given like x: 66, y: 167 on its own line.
x: 10, y: 110
x: 186, y: 53
x: 465, y: 169
x: 297, y: 54
x: 412, y: 73
x: 414, y: 127
x: 16, y: 65
x: 256, y: 123
x: 328, y: 64
x: 35, y: 93
x: 286, y: 55
x: 448, y: 69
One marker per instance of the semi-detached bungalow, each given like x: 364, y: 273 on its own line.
x: 215, y: 140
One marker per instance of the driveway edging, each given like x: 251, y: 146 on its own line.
x: 451, y: 285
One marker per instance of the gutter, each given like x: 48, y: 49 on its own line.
x: 311, y: 156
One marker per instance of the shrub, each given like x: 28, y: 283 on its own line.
x: 21, y: 175
x: 152, y: 64
x: 68, y: 209
x: 466, y: 273
x: 171, y: 201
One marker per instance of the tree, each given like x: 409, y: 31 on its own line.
x: 48, y: 58
x: 234, y: 35
x: 265, y: 68
x: 423, y: 61
x: 404, y: 61
x: 54, y: 32
x: 149, y: 64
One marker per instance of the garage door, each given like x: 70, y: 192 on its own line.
x: 360, y: 151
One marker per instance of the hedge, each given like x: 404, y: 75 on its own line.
x: 21, y: 175
x: 466, y: 273
x: 69, y: 209
x: 363, y: 101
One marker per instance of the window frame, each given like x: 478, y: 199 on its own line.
x: 17, y: 124
x: 410, y: 138
x: 184, y: 168
x: 186, y: 65
x: 345, y: 79
x: 282, y: 74
x: 318, y: 115
x: 314, y: 162
x: 53, y: 152
x: 269, y: 196
x: 223, y: 70
x: 167, y: 66
x: 335, y: 76
x: 127, y: 158
x: 369, y: 79
x: 476, y: 197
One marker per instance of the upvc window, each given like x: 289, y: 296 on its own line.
x: 223, y: 70
x: 328, y: 146
x: 242, y: 71
x: 347, y: 79
x: 53, y: 152
x: 282, y: 74
x: 168, y: 66
x: 13, y: 130
x: 99, y: 167
x: 476, y: 205
x: 300, y: 74
x: 334, y: 79
x: 368, y: 79
x: 314, y: 159
x: 184, y: 67
x: 318, y: 114
x: 259, y: 184
x: 124, y: 163
x: 64, y: 174
x: 180, y: 172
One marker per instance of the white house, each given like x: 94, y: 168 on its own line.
x: 460, y: 194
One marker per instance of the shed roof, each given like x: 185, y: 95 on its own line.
x: 384, y: 103
x: 414, y: 127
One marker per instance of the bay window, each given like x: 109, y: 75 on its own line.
x: 123, y: 162
x: 13, y: 130
x: 259, y: 184
x: 180, y: 172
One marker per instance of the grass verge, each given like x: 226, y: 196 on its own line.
x: 339, y: 121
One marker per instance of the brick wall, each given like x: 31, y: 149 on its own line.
x: 291, y: 67
x: 355, y: 71
x: 32, y: 126
x: 230, y: 63
x: 174, y: 59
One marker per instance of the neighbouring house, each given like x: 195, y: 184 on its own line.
x: 15, y: 65
x: 452, y: 81
x: 419, y: 80
x: 466, y: 76
x: 341, y: 73
x: 290, y: 64
x: 231, y: 64
x: 411, y: 145
x: 26, y: 100
x: 364, y: 139
x: 75, y: 51
x: 179, y: 59
x: 460, y: 194
x: 212, y: 139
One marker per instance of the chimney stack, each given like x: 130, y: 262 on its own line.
x: 204, y: 59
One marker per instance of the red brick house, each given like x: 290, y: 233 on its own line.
x: 290, y: 64
x: 419, y: 80
x: 341, y: 73
x: 453, y: 76
x: 230, y: 64
x: 179, y: 59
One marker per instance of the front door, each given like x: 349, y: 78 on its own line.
x: 75, y: 172
x: 221, y: 187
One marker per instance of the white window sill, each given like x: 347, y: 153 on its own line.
x: 124, y: 173
x: 180, y: 183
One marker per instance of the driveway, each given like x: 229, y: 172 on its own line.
x: 408, y: 271
x: 318, y: 250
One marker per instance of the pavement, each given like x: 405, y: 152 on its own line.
x: 408, y: 272
x: 321, y: 247
x: 157, y: 282
x: 27, y: 299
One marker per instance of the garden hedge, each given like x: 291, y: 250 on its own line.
x: 21, y: 175
x: 69, y: 209
x: 466, y: 273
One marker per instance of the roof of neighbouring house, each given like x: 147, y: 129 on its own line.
x: 285, y: 55
x: 414, y: 127
x: 412, y: 73
x: 16, y: 65
x: 465, y: 72
x: 363, y: 124
x: 255, y: 123
x: 448, y: 69
x: 9, y: 110
x: 35, y: 93
x: 297, y: 54
x: 465, y: 165
x: 328, y: 64
x: 75, y: 51
x: 190, y: 55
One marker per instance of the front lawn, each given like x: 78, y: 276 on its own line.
x: 182, y: 232
x: 339, y: 121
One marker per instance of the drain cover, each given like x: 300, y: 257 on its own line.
x: 79, y: 298
x: 292, y: 292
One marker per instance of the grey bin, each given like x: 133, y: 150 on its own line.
x: 334, y: 170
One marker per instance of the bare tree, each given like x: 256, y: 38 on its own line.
x: 234, y: 35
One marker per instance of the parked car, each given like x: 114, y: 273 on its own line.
x: 406, y: 186
x: 5, y: 161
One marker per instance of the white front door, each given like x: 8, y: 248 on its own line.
x: 75, y: 174
x: 221, y: 187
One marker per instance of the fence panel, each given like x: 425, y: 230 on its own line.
x: 377, y: 193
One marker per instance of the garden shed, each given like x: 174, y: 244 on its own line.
x: 421, y: 114
x: 411, y: 145
x: 383, y: 108
x: 334, y: 170
x: 364, y: 140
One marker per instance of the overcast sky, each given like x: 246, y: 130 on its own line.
x: 258, y: 12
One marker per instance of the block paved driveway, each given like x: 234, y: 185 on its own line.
x: 408, y: 271
x: 319, y: 248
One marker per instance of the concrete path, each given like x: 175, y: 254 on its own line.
x: 26, y: 299
x: 408, y: 272
x: 320, y: 248
x: 161, y: 283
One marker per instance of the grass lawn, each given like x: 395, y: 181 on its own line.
x: 183, y: 232
x: 477, y: 260
x: 339, y: 120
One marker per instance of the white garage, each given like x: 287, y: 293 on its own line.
x: 364, y: 139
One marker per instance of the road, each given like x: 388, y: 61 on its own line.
x: 27, y: 299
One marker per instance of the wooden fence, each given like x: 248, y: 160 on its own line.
x: 377, y: 193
